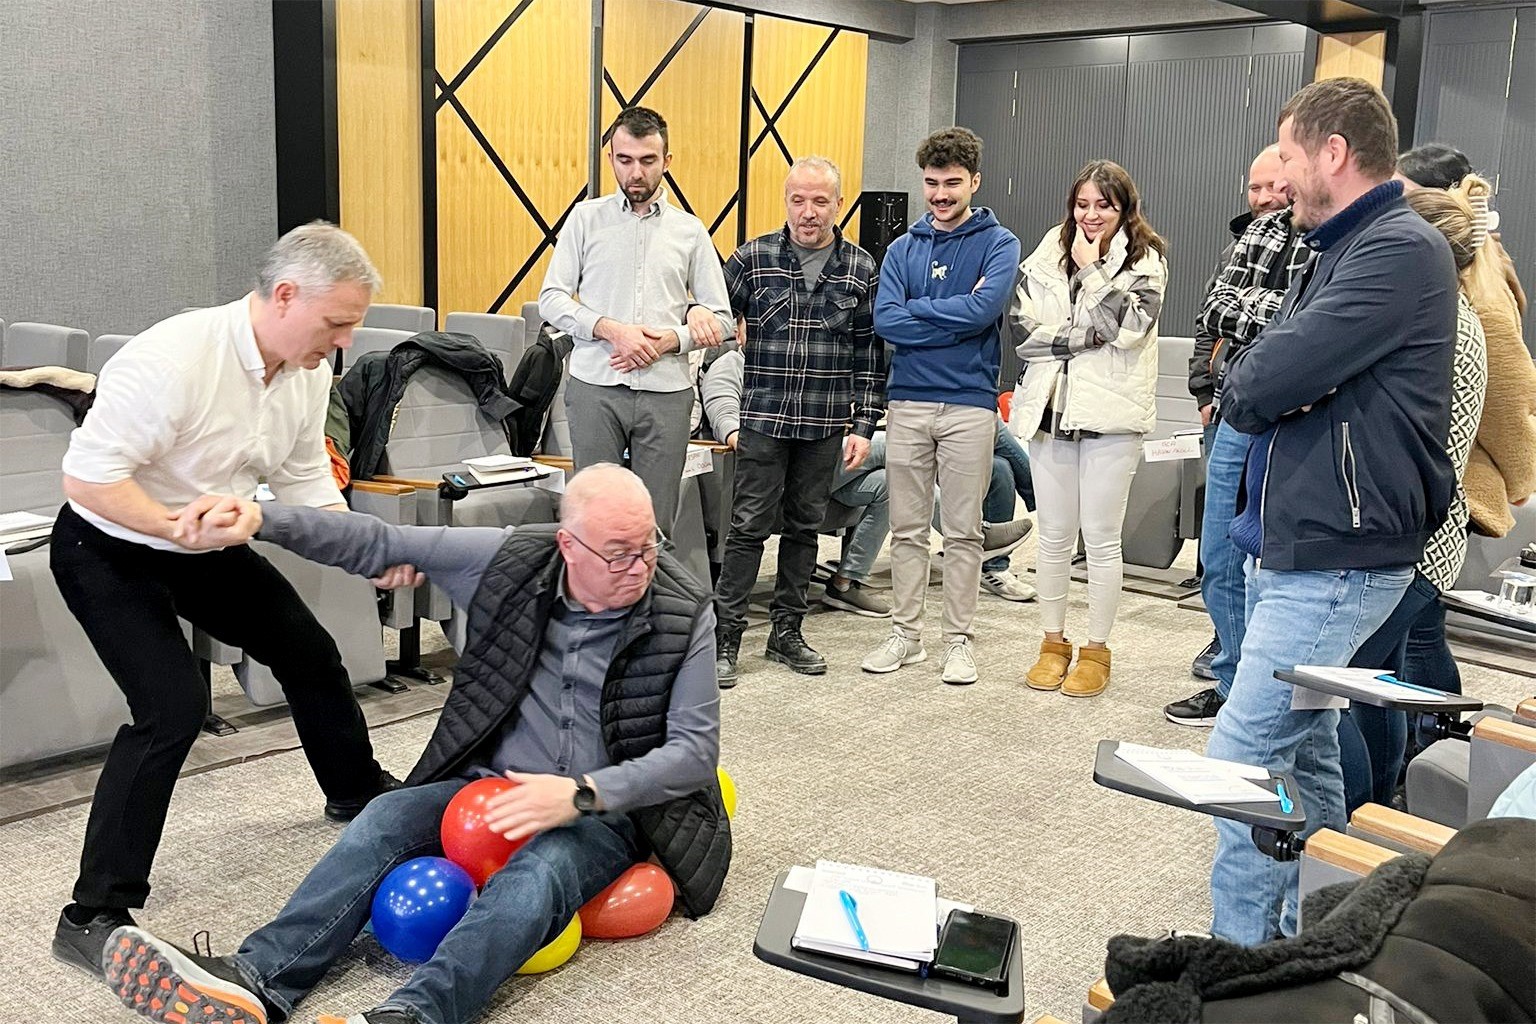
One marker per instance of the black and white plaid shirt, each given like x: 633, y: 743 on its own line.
x: 813, y: 363
x: 1247, y: 293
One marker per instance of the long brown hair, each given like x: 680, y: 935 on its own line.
x: 1114, y: 183
x: 1460, y: 214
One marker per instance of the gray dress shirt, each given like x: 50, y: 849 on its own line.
x: 557, y: 730
x: 636, y: 270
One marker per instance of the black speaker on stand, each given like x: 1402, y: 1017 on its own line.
x: 882, y: 219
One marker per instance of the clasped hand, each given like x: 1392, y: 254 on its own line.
x: 636, y: 346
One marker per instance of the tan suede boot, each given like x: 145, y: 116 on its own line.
x: 1091, y: 674
x: 1047, y: 673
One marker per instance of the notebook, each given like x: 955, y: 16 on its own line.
x: 896, y: 911
x: 495, y: 469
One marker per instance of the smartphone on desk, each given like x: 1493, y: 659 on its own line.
x: 976, y: 949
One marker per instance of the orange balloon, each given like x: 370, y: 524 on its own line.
x: 637, y: 902
x: 466, y: 839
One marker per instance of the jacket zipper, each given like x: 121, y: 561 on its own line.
x: 1347, y: 468
x: 1269, y: 465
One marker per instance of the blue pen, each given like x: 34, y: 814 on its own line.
x: 852, y: 910
x: 1387, y: 677
x: 1286, y: 806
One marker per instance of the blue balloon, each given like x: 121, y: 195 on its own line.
x: 418, y: 903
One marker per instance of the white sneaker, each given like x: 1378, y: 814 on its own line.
x: 895, y: 652
x: 959, y: 665
x: 1007, y: 586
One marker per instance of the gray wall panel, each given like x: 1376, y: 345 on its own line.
x: 1179, y: 116
x: 137, y: 156
x: 1516, y: 200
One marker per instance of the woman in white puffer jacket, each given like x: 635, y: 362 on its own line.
x: 1086, y: 311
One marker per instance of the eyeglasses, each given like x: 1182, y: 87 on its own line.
x: 626, y: 561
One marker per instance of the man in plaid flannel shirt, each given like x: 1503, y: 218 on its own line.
x: 1242, y: 299
x: 814, y: 389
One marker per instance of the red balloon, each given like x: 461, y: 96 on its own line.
x: 637, y: 902
x: 466, y: 839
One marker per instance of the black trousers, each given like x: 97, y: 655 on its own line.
x: 780, y: 485
x: 127, y: 597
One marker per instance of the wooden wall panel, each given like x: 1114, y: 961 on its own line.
x: 823, y: 115
x: 1352, y: 55
x: 697, y: 90
x: 515, y: 123
x: 378, y: 128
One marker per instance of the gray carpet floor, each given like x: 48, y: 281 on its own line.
x: 986, y: 787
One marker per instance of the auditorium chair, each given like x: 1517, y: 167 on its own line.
x: 505, y: 336
x: 412, y: 319
x: 1167, y: 498
x: 29, y: 344
x: 1455, y: 780
x: 373, y: 339
x: 104, y: 347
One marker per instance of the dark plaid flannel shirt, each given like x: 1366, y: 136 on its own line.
x: 813, y: 363
x: 1248, y: 291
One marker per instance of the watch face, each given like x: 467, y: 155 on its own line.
x: 585, y: 798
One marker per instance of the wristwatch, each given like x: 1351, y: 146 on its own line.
x: 585, y: 798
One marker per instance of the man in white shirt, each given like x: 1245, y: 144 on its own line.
x: 620, y: 284
x: 213, y: 400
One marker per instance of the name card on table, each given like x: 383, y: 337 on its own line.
x: 1169, y: 449
x: 699, y: 460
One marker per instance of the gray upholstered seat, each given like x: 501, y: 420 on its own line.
x: 413, y: 319
x: 374, y: 339
x: 505, y: 336
x: 1166, y: 497
x: 104, y: 347
x: 28, y: 344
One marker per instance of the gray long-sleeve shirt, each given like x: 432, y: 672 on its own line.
x: 557, y: 731
x: 636, y: 270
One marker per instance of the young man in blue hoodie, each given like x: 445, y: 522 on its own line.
x: 1346, y: 395
x: 944, y: 287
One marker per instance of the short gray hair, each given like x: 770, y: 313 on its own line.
x: 315, y: 256
x: 817, y: 163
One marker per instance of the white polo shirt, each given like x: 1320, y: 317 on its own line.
x: 182, y: 410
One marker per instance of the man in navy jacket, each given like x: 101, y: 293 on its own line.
x: 943, y: 288
x: 1347, y: 396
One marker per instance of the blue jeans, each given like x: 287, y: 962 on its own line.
x: 1010, y: 477
x: 1373, y: 762
x: 864, y: 488
x: 522, y: 908
x: 1221, y: 583
x: 1294, y: 618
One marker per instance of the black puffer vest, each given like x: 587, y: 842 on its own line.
x: 507, y: 617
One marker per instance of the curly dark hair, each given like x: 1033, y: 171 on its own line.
x: 949, y: 147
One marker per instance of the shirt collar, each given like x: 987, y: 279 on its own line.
x: 657, y: 204
x: 245, y: 338
x: 1346, y: 220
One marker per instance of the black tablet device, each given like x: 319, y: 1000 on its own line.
x: 975, y: 948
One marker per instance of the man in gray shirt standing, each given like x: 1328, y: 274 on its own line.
x: 620, y: 285
x: 587, y: 677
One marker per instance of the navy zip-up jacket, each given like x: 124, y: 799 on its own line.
x: 944, y: 330
x: 1366, y: 337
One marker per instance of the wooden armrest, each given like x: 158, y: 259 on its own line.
x: 1048, y: 1019
x: 1416, y: 833
x: 1526, y: 709
x: 556, y: 462
x: 1099, y: 995
x: 1510, y: 734
x: 713, y: 446
x: 1353, y: 855
x: 417, y: 485
x: 379, y: 487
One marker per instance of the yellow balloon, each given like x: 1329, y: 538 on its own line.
x: 557, y: 952
x: 727, y: 792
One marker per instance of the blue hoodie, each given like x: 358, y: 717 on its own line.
x: 944, y: 329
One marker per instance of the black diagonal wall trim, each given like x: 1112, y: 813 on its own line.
x: 550, y: 235
x: 656, y: 72
x: 789, y: 96
x: 772, y: 129
x: 482, y: 53
x: 500, y: 165
x: 729, y: 206
x: 853, y: 209
x: 681, y: 199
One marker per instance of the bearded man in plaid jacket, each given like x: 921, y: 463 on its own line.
x: 813, y: 392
